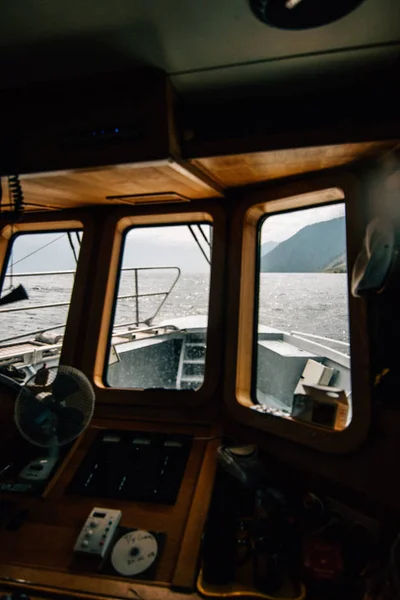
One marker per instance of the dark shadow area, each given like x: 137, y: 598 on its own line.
x: 104, y: 51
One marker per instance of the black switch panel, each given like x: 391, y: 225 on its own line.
x: 138, y: 466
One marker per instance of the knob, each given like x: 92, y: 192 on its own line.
x: 85, y: 544
x: 93, y: 524
x: 89, y: 533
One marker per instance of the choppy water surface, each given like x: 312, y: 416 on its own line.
x: 312, y: 302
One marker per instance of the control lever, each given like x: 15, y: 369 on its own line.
x: 243, y: 464
x: 269, y: 560
x: 240, y: 473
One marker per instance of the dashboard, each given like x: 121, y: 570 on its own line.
x: 158, y: 478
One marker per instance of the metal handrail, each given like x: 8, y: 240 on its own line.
x: 30, y: 334
x: 34, y: 307
x: 328, y: 352
x: 37, y: 273
x: 136, y: 296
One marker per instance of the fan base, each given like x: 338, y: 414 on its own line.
x: 39, y: 469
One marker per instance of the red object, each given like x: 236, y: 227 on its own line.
x: 322, y: 559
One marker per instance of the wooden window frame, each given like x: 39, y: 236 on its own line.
x: 57, y: 221
x: 252, y: 206
x: 96, y: 344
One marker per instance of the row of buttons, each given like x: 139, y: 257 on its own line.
x: 89, y: 533
x: 85, y: 543
x: 98, y: 531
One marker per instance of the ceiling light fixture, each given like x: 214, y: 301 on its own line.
x: 302, y: 14
x: 292, y: 3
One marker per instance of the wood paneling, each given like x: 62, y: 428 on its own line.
x: 188, y: 556
x: 145, y: 183
x: 55, y: 585
x: 56, y: 221
x: 173, y: 180
x: 104, y: 278
x: 239, y: 338
x: 45, y: 541
x: 245, y: 169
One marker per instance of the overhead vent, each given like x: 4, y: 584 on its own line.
x: 140, y: 199
x: 302, y: 14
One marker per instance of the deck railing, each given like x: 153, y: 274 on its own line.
x: 136, y: 296
x: 344, y: 345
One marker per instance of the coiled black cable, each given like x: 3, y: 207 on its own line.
x: 16, y: 193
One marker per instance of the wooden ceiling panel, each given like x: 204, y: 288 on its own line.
x: 115, y: 185
x: 172, y: 180
x: 246, y: 169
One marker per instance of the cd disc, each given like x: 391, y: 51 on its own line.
x: 134, y: 552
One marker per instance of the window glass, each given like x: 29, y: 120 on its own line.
x: 159, y: 329
x: 303, y: 347
x: 35, y: 299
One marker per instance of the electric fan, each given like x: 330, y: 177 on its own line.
x: 52, y: 409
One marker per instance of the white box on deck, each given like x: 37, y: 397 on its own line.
x: 314, y: 373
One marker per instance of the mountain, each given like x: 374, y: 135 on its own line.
x: 267, y: 247
x: 338, y: 265
x: 313, y: 249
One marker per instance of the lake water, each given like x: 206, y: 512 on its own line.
x: 311, y: 302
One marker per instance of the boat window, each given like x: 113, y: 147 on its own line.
x: 302, y: 367
x: 159, y: 329
x: 35, y: 298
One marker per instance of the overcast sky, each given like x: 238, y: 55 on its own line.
x: 168, y: 247
x: 278, y: 228
x: 156, y: 246
x: 144, y: 247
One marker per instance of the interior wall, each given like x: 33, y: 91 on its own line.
x: 370, y: 472
x: 368, y: 475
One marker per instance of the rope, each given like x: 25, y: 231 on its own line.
x: 199, y: 245
x: 39, y: 249
x: 72, y: 246
x: 204, y: 236
x: 11, y: 270
x: 11, y: 262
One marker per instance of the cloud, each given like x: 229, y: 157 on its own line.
x: 166, y: 246
x: 280, y: 227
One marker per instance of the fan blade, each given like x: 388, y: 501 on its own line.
x: 34, y: 414
x: 63, y: 386
x: 69, y: 422
x: 37, y: 409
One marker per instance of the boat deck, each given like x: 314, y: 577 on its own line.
x: 27, y: 349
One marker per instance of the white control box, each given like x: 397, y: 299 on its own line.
x: 98, y: 531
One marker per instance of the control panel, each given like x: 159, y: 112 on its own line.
x: 138, y: 466
x: 98, y: 531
